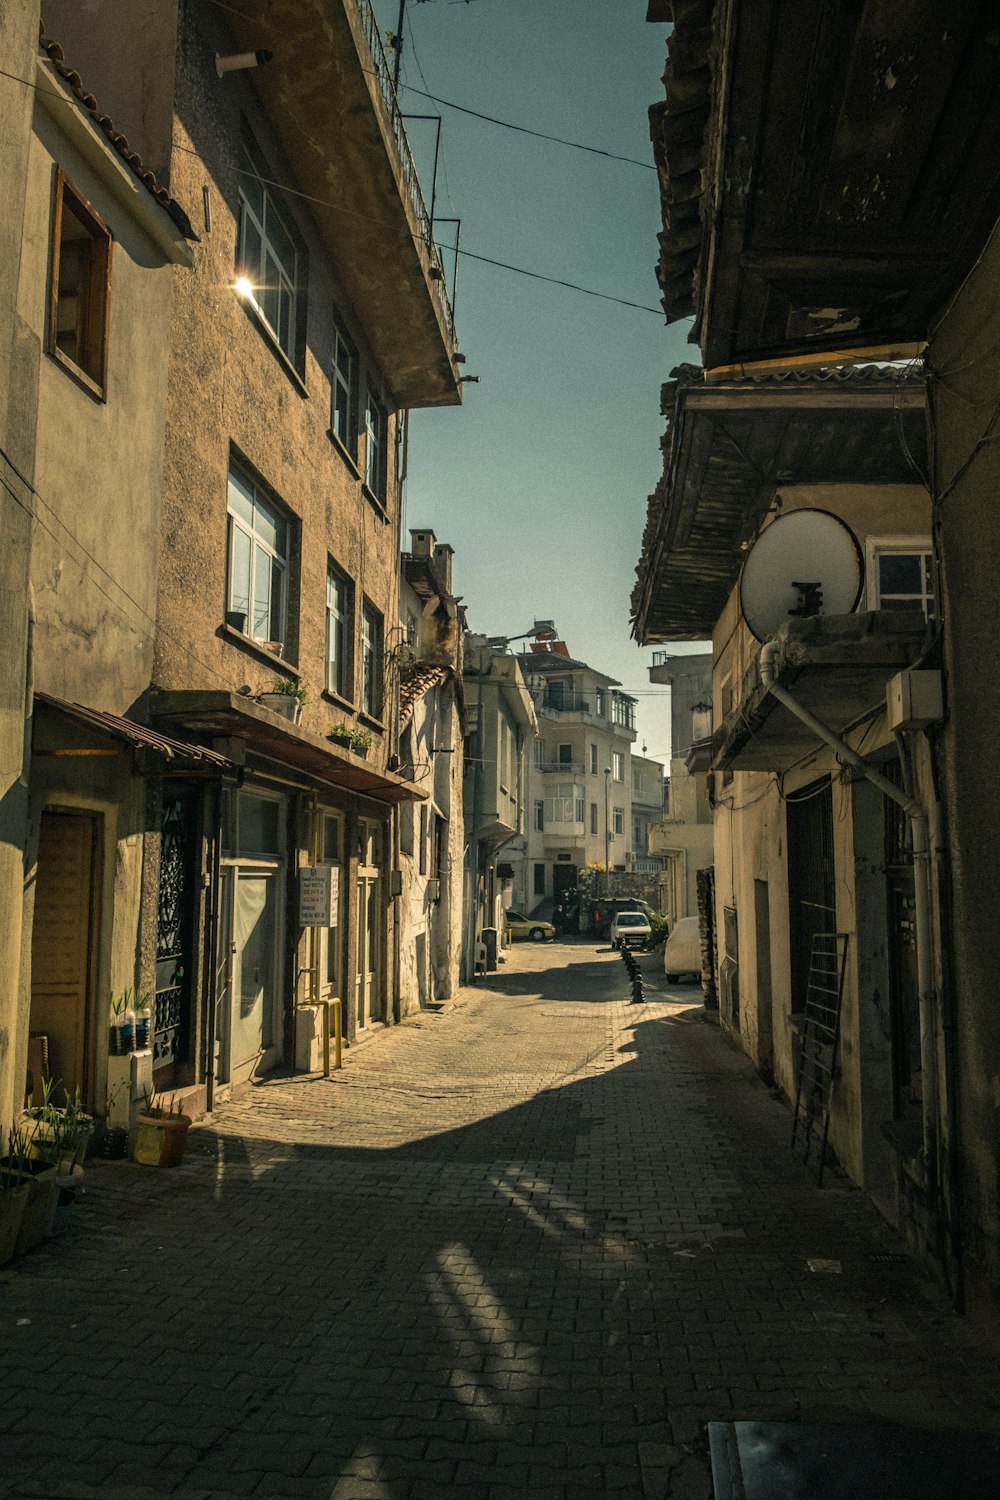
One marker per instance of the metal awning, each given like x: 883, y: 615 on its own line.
x: 224, y: 715
x: 839, y: 665
x: 177, y: 753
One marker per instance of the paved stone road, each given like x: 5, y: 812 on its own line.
x: 528, y: 1247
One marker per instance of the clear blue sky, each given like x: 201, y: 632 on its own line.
x: 540, y: 480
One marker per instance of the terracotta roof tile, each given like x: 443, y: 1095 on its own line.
x: 106, y: 125
x: 414, y: 682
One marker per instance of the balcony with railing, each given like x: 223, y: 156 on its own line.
x: 329, y: 98
x: 561, y: 767
x: 552, y: 702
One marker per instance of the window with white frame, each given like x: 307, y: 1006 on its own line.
x: 539, y: 753
x: 376, y: 447
x: 901, y: 574
x: 618, y: 765
x: 344, y: 390
x: 257, y: 594
x: 339, y: 632
x: 599, y: 702
x: 564, y: 803
x: 618, y: 826
x: 371, y: 661
x: 266, y: 255
x: 539, y: 817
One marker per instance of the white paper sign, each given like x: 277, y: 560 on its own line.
x: 319, y: 896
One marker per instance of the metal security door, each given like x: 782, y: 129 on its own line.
x: 811, y: 891
x: 174, y: 925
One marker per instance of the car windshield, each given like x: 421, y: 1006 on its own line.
x: 631, y: 919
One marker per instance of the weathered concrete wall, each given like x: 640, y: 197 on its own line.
x: 750, y: 844
x: 134, y: 66
x: 232, y: 393
x: 964, y: 386
x: 98, y: 463
x: 19, y: 357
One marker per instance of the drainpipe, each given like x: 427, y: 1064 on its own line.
x: 921, y: 891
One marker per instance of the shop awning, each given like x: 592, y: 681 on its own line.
x: 166, y: 751
x: 232, y: 717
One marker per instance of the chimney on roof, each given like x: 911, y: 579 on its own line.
x: 422, y: 542
x: 443, y: 555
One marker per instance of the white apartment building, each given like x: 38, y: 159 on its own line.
x: 579, y: 780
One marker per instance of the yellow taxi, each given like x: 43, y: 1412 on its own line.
x: 528, y: 927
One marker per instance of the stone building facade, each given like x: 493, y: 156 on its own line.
x: 314, y: 318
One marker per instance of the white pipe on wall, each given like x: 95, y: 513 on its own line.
x: 921, y: 891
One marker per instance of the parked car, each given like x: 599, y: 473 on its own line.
x: 528, y: 927
x: 682, y: 950
x: 602, y: 912
x: 630, y: 929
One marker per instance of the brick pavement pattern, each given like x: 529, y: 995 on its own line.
x: 530, y: 1246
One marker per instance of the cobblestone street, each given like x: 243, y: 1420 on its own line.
x: 528, y: 1246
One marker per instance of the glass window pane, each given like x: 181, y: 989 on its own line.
x: 269, y: 526
x: 261, y: 621
x: 331, y: 840
x: 250, y: 186
x: 248, y: 249
x: 239, y: 580
x: 280, y: 242
x: 277, y: 603
x: 240, y: 497
x: 259, y: 825
x: 899, y: 573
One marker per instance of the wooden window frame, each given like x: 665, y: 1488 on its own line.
x: 96, y: 312
x: 343, y: 690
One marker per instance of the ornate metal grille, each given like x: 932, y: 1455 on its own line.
x: 174, y: 925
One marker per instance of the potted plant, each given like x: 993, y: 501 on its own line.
x: 55, y: 1139
x: 14, y: 1190
x: 161, y: 1133
x: 34, y: 1168
x: 358, y: 741
x: 286, y: 698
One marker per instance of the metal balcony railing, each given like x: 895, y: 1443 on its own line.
x: 560, y: 703
x: 383, y: 73
x: 561, y: 767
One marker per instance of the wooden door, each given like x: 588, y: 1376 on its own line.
x: 64, y: 946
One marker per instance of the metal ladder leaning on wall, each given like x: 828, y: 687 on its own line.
x: 819, y: 1041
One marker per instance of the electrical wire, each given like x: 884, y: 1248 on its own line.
x: 541, y: 135
x: 285, y: 187
x: 148, y: 635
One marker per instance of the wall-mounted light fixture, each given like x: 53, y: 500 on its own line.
x: 236, y: 62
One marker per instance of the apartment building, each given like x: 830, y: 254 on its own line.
x: 314, y: 318
x: 579, y: 785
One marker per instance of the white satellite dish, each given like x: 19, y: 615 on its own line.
x: 807, y: 562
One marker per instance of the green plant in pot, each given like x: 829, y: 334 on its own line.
x: 161, y: 1132
x: 287, y: 698
x: 356, y: 740
x: 15, y: 1188
x: 39, y: 1175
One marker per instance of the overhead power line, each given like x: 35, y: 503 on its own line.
x: 526, y: 130
x: 286, y: 187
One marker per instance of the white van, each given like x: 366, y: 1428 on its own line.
x: 682, y: 950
